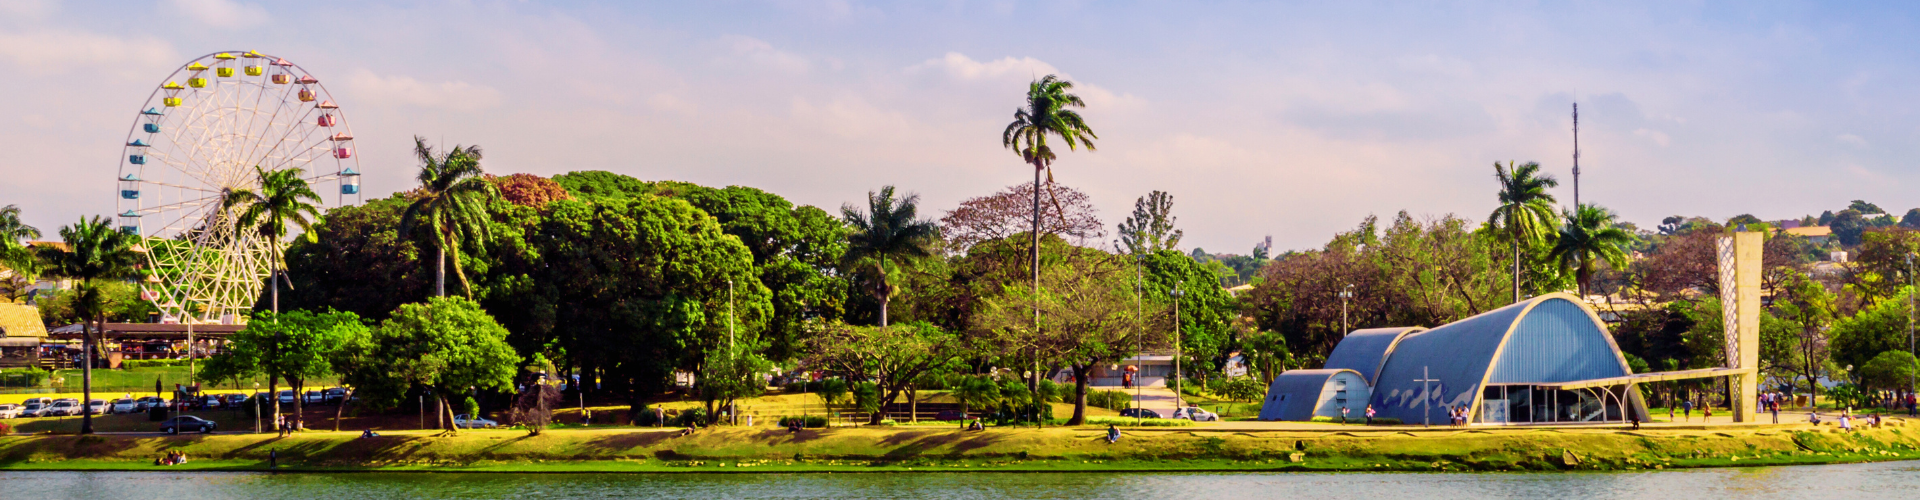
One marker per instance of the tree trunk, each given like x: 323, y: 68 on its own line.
x: 273, y: 396
x: 913, y: 405
x: 86, y: 379
x: 341, y: 410
x: 1037, y: 167
x: 1080, y: 394
x: 299, y: 402
x: 440, y: 271
x: 1516, y: 269
x: 447, y: 414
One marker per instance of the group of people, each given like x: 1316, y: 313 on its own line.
x: 171, y: 458
x: 1370, y: 413
x: 285, y: 424
x: 1456, y: 416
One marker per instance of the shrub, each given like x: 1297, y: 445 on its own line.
x: 5, y: 429
x: 471, y: 407
x: 24, y: 377
x: 646, y: 418
x: 690, y: 417
x: 1112, y: 400
x: 808, y: 421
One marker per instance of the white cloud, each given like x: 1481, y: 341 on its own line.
x: 961, y: 67
x: 403, y: 90
x: 758, y: 53
x: 222, y: 13
x: 1854, y: 140
x: 1656, y: 136
x: 53, y: 52
x: 668, y: 102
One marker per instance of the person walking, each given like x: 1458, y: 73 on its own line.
x: 1343, y: 414
x: 1370, y: 414
x: 1686, y: 408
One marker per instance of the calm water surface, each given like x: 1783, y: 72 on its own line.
x: 1882, y: 480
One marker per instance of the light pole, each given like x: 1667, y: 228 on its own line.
x: 1910, y: 319
x: 1177, y: 352
x: 1345, y: 294
x: 1139, y: 345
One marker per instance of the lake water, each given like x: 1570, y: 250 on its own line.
x: 1881, y: 480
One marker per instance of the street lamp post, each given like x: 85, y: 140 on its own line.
x: 1910, y: 344
x: 1139, y: 344
x: 1345, y: 294
x: 1177, y: 351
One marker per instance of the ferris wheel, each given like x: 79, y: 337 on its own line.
x: 200, y: 135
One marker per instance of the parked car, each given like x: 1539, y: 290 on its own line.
x: 464, y: 421
x: 151, y: 402
x: 336, y: 394
x: 31, y: 410
x: 1195, y: 414
x: 1139, y: 413
x: 187, y: 423
x: 313, y: 398
x: 124, y: 405
x: 234, y: 400
x: 9, y: 411
x: 62, y: 408
x: 39, y: 401
x: 950, y: 415
x: 210, y: 402
x: 96, y: 407
x: 286, y: 396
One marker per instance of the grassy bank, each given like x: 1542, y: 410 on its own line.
x: 1054, y: 449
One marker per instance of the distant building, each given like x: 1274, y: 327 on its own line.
x: 21, y: 333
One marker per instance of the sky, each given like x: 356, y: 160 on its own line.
x: 1294, y: 120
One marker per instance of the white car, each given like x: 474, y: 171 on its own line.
x: 1196, y: 414
x: 150, y: 402
x: 61, y: 408
x: 124, y: 405
x: 96, y: 406
x: 286, y: 396
x: 31, y: 410
x: 9, y: 411
x: 463, y: 421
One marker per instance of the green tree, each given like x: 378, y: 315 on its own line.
x: 451, y: 203
x: 1876, y: 329
x: 895, y: 356
x: 889, y: 230
x: 1847, y: 226
x: 1525, y: 214
x: 448, y: 345
x: 359, y: 262
x: 1150, y: 228
x: 94, y: 251
x: 1588, y: 237
x: 595, y: 186
x: 284, y: 199
x: 637, y: 289
x: 1865, y: 208
x: 730, y: 374
x: 975, y: 392
x: 1891, y: 370
x: 1088, y: 318
x: 1911, y: 220
x: 295, y: 346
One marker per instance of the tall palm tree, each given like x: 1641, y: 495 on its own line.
x: 888, y: 230
x: 1046, y: 114
x: 12, y: 231
x: 95, y: 251
x: 1525, y: 213
x: 452, y: 203
x: 1590, y: 235
x: 283, y: 199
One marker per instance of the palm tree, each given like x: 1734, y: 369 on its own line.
x: 95, y: 251
x: 13, y: 256
x: 1046, y: 114
x: 1589, y: 235
x: 889, y: 230
x: 283, y: 199
x: 452, y: 202
x: 1525, y: 213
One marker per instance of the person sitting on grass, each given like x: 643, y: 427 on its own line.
x: 689, y: 430
x: 368, y: 433
x: 977, y: 425
x: 1113, y: 434
x: 1846, y: 420
x: 1813, y: 417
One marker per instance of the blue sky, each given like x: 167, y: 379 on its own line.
x: 1295, y: 120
